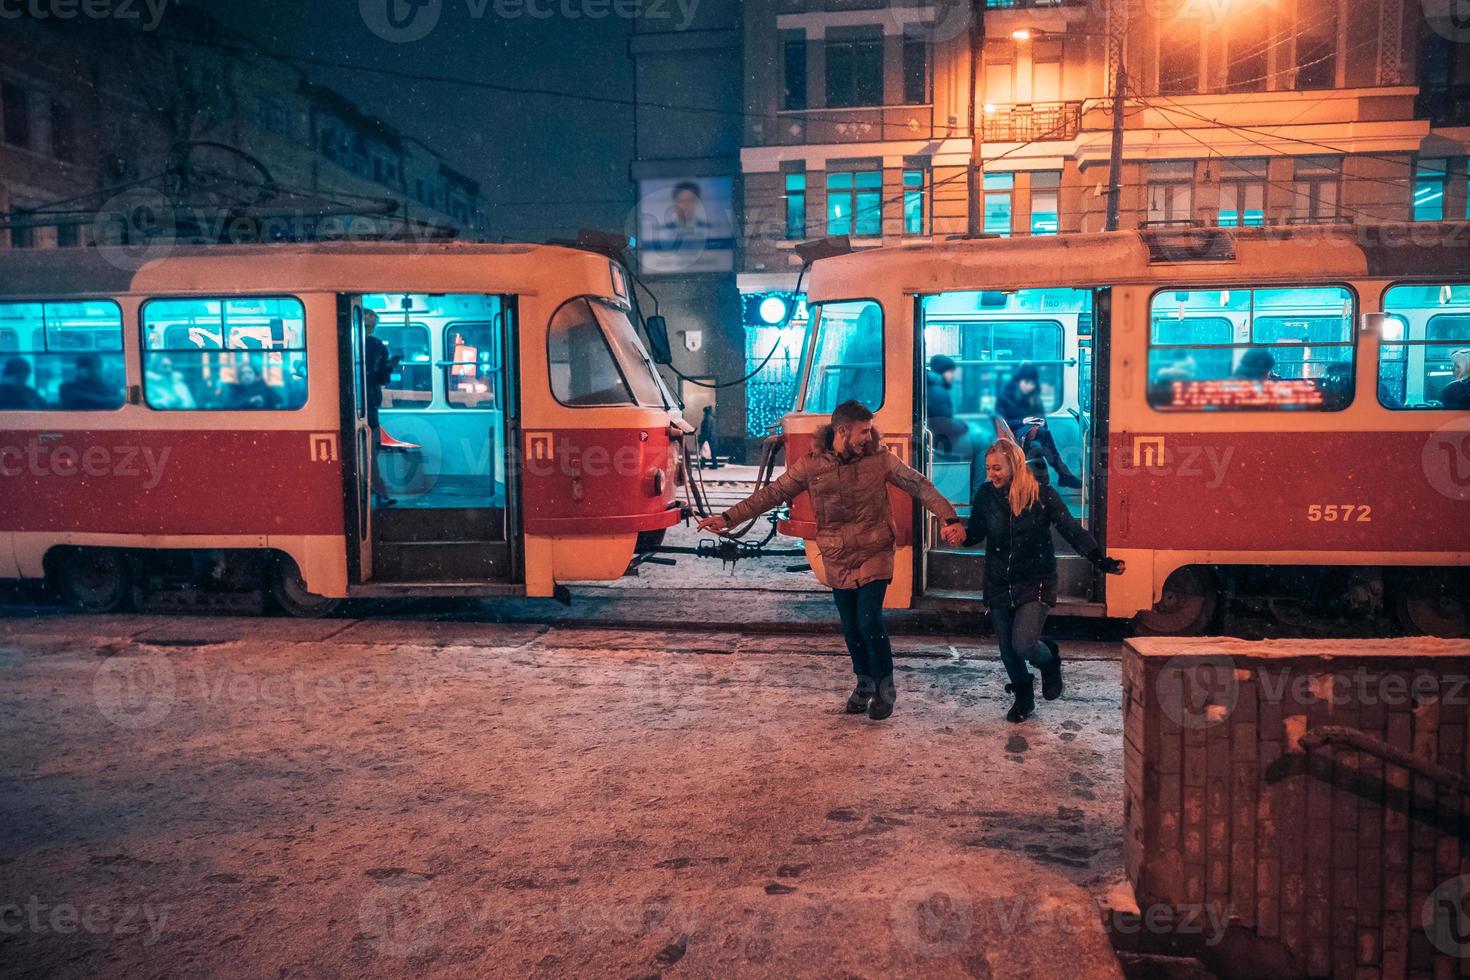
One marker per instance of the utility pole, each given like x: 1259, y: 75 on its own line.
x: 975, y: 178
x: 1115, y: 159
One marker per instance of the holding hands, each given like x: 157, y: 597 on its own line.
x: 953, y: 534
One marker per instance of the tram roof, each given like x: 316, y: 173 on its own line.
x: 1294, y: 254
x: 103, y: 270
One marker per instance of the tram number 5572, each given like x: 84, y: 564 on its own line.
x: 1340, y: 513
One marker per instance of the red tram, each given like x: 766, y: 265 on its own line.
x: 1266, y: 412
x: 206, y: 416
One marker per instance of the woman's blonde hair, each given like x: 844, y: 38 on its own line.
x: 1460, y: 361
x: 1024, y: 488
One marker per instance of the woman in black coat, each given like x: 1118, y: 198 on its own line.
x: 1014, y: 515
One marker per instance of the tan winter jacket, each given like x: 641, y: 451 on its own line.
x: 855, y: 530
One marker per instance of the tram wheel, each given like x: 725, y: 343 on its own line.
x: 1187, y: 608
x: 1427, y: 603
x: 94, y: 580
x: 290, y: 592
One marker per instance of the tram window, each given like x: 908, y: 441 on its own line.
x: 1251, y: 349
x: 988, y: 352
x: 1424, y: 357
x: 61, y: 356
x: 473, y: 353
x: 237, y: 354
x: 583, y: 371
x: 410, y: 350
x: 847, y: 361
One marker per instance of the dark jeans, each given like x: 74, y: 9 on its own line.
x: 861, y: 610
x: 1018, y: 632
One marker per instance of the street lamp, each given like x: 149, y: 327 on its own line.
x: 1120, y: 88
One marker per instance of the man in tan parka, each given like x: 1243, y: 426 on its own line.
x: 847, y: 476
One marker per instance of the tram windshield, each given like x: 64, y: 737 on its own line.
x: 847, y: 356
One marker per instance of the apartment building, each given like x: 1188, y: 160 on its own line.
x: 209, y: 126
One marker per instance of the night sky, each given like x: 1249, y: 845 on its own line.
x: 546, y: 165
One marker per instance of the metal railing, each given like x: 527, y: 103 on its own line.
x: 1028, y: 123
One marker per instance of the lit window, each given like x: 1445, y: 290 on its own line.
x: 1429, y: 184
x: 1233, y: 349
x: 1242, y: 193
x: 61, y: 356
x: 847, y: 361
x: 796, y: 205
x: 1045, y: 210
x: 1171, y: 193
x: 1424, y: 356
x: 855, y: 203
x: 915, y: 211
x: 998, y: 190
x: 245, y: 354
x: 1314, y: 188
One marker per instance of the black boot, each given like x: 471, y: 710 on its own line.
x: 883, y: 700
x: 857, y: 701
x: 1025, y: 693
x: 1051, y: 673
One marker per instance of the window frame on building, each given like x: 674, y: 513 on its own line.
x: 865, y: 203
x: 1046, y: 184
x: 996, y: 188
x: 1241, y: 180
x: 1311, y: 177
x: 794, y: 190
x: 1160, y: 180
x: 1428, y: 177
x: 918, y: 68
x: 794, y: 81
x: 854, y: 58
x: 918, y: 181
x: 17, y: 122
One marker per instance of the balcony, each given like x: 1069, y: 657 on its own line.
x: 864, y: 125
x: 1029, y: 123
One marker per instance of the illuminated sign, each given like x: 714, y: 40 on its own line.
x: 1230, y: 393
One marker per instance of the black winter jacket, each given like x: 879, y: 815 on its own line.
x: 1020, y: 563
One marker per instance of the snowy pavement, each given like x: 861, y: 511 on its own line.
x: 253, y: 797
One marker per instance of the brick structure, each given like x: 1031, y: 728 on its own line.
x: 1315, y: 790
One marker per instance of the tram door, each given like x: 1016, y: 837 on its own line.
x: 1023, y: 354
x: 439, y: 494
x: 356, y: 438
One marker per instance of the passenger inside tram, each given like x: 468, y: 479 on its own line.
x: 1020, y: 358
x: 1424, y: 358
x: 88, y: 389
x: 15, y: 386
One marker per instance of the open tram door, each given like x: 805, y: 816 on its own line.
x: 433, y: 499
x: 989, y: 344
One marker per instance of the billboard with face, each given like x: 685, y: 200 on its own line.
x: 686, y: 225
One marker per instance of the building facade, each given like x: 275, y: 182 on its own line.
x: 1237, y: 112
x: 97, y: 118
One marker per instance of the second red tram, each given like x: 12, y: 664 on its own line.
x: 1265, y: 412
x: 207, y: 416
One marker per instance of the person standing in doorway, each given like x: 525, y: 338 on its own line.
x: 1014, y: 515
x: 848, y: 476
x: 708, y: 438
x: 379, y: 371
